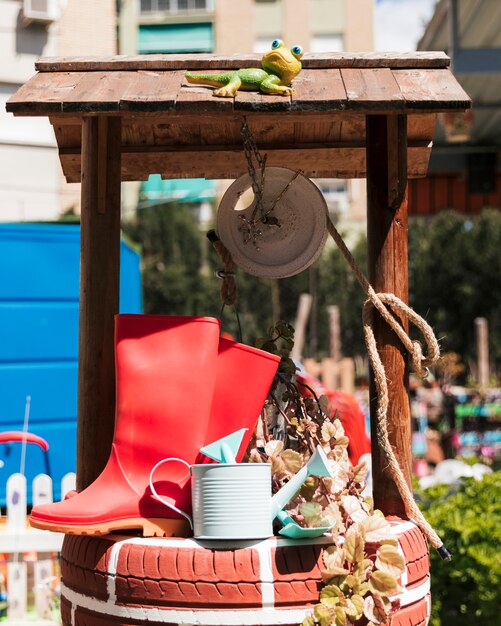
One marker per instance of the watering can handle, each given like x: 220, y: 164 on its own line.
x: 159, y: 498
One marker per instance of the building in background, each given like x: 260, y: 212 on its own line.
x: 32, y: 186
x: 230, y: 26
x: 465, y: 163
x: 31, y: 183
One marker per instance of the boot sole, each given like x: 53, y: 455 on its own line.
x: 151, y: 527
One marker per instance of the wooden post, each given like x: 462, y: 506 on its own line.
x: 388, y: 272
x: 482, y: 344
x: 302, y: 315
x: 99, y: 293
x: 334, y: 332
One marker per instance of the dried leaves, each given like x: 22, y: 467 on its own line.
x: 363, y: 565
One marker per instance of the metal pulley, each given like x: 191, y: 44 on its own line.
x: 279, y: 232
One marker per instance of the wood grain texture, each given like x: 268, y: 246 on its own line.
x: 151, y: 91
x: 371, y: 89
x: 312, y: 94
x: 99, y: 292
x: 196, y: 98
x: 346, y: 89
x: 44, y: 92
x: 226, y: 161
x: 235, y: 61
x: 97, y: 91
x: 431, y: 89
x: 388, y: 273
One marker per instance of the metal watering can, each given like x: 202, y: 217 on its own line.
x: 234, y: 501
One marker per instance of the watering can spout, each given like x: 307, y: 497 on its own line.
x: 225, y: 450
x: 318, y: 465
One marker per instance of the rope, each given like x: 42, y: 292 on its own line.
x: 229, y: 292
x: 384, y: 303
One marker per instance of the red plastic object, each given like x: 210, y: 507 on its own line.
x: 18, y: 436
x: 243, y: 380
x: 348, y: 410
x: 353, y: 421
x: 165, y: 376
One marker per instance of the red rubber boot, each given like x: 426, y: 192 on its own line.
x: 243, y: 380
x: 165, y: 376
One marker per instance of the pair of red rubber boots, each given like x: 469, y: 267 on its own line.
x: 179, y: 386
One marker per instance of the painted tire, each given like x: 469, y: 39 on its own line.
x: 135, y: 580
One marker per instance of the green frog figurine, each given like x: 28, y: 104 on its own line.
x: 279, y: 67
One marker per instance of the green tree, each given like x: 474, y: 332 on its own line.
x: 171, y: 248
x: 454, y: 270
x: 338, y: 286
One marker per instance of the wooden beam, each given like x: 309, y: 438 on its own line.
x: 388, y: 273
x: 99, y: 293
x: 236, y: 61
x: 205, y: 162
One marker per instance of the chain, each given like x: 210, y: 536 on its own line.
x: 251, y: 151
x: 250, y: 227
x: 282, y: 193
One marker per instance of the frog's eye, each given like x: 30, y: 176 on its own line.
x: 297, y: 51
x: 276, y: 44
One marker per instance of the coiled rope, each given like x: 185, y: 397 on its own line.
x: 384, y: 303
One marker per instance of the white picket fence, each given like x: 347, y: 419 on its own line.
x: 17, y: 539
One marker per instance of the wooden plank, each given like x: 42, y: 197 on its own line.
x: 372, y: 89
x: 319, y: 91
x: 30, y: 540
x: 421, y: 126
x: 202, y: 162
x: 226, y: 131
x: 68, y: 135
x: 368, y: 90
x: 200, y: 98
x: 232, y: 163
x: 235, y: 61
x: 426, y: 59
x: 174, y: 117
x: 99, y: 292
x: 151, y: 91
x: 388, y: 273
x: 68, y: 483
x: 323, y: 130
x: 271, y: 136
x: 425, y: 199
x: 97, y: 91
x: 352, y: 127
x: 460, y: 194
x: 431, y: 89
x: 254, y: 101
x: 17, y: 584
x: 137, y: 134
x: 179, y: 136
x: 42, y: 490
x: 441, y: 193
x: 16, y: 502
x: 44, y: 93
x: 42, y: 579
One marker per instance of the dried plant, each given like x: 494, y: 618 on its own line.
x: 363, y: 564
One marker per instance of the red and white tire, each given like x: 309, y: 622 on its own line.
x: 162, y: 581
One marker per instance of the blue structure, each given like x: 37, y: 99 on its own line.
x: 39, y: 298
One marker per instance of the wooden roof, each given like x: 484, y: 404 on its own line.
x: 181, y: 131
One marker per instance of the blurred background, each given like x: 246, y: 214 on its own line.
x: 168, y: 265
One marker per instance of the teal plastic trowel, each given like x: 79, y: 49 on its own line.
x: 318, y: 465
x: 224, y: 450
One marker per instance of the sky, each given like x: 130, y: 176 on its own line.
x: 399, y: 24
